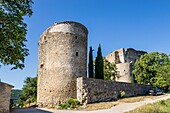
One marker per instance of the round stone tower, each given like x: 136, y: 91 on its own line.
x: 62, y: 57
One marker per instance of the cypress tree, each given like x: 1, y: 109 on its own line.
x: 91, y: 75
x: 99, y: 70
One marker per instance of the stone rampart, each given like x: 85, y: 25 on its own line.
x: 96, y: 90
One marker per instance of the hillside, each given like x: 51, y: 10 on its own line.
x: 15, y: 95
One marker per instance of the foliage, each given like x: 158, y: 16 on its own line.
x: 162, y: 106
x: 70, y: 103
x: 29, y: 90
x: 20, y: 104
x: 91, y: 72
x: 99, y: 70
x: 15, y: 96
x: 13, y: 31
x: 11, y: 103
x: 121, y: 94
x: 109, y: 70
x: 154, y: 69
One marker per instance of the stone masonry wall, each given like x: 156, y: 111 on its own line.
x: 5, y: 92
x: 62, y: 58
x: 132, y: 55
x: 96, y: 90
x: 125, y: 61
x: 124, y: 72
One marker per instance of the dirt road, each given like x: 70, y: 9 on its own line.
x: 121, y: 108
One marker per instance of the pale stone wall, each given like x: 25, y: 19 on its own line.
x: 122, y: 56
x: 95, y: 90
x: 62, y: 58
x: 124, y: 72
x: 125, y: 61
x: 5, y: 93
x: 117, y: 56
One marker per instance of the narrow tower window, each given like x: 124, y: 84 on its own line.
x: 77, y: 54
x: 41, y: 65
x: 75, y: 37
x: 44, y: 37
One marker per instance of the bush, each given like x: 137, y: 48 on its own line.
x: 63, y: 106
x: 11, y: 103
x: 121, y: 94
x: 20, y: 104
x: 70, y: 103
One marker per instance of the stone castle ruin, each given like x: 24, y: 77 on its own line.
x: 125, y: 61
x: 62, y: 66
x: 62, y: 58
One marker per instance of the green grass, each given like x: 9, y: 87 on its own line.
x: 162, y: 106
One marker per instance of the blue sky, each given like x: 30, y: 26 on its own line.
x: 139, y: 24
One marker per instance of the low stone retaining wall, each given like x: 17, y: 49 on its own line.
x: 95, y: 90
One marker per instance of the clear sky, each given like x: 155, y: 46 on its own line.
x: 139, y: 24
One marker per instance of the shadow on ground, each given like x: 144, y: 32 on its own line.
x: 28, y: 110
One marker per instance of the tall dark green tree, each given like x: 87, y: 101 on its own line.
x: 91, y: 67
x: 99, y: 70
x: 13, y: 31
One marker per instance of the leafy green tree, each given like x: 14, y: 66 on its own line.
x: 91, y: 67
x: 99, y: 70
x: 29, y: 90
x: 13, y: 31
x: 109, y: 70
x: 154, y: 69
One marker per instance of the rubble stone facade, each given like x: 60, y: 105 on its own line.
x: 5, y: 93
x: 62, y: 57
x: 125, y: 61
x: 96, y: 90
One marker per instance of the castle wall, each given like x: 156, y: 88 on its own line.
x: 125, y: 61
x: 124, y: 73
x: 117, y: 56
x: 62, y: 58
x: 132, y: 55
x: 5, y: 93
x: 121, y: 52
x: 95, y: 90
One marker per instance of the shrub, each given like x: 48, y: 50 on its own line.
x: 63, y: 106
x: 121, y: 94
x: 70, y: 103
x: 11, y: 103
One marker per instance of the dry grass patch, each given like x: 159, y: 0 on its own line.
x: 99, y: 106
x: 135, y: 99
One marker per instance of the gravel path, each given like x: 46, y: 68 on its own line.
x: 121, y: 108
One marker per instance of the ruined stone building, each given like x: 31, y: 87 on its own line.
x: 5, y: 94
x: 62, y: 57
x: 124, y: 61
x: 62, y: 66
